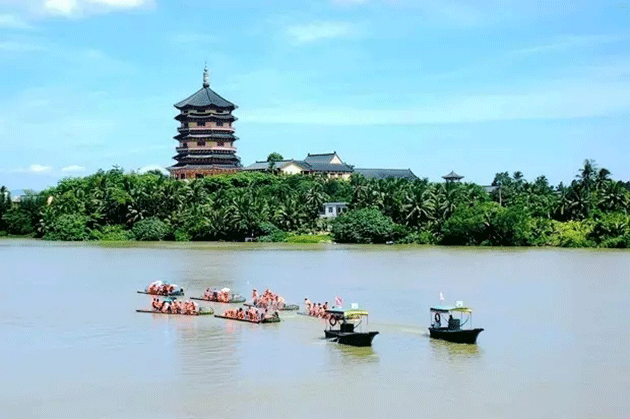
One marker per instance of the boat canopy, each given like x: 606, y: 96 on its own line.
x: 446, y: 309
x: 348, y: 314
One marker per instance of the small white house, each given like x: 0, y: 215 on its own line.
x: 333, y: 209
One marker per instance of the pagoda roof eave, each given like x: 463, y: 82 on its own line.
x: 222, y: 117
x: 205, y: 98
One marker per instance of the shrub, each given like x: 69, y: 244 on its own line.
x: 182, y: 235
x: 114, y: 233
x: 150, y: 229
x: 572, y: 234
x: 611, y: 230
x: 68, y: 227
x: 366, y: 225
x: 309, y: 238
x: 271, y: 233
x: 18, y: 222
x: 488, y: 224
x: 417, y: 237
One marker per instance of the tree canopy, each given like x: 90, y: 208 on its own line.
x: 113, y: 205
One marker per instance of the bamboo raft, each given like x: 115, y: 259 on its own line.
x: 274, y: 320
x: 202, y: 312
x: 233, y: 300
x: 177, y: 293
x: 287, y: 307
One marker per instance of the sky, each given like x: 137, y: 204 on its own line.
x: 475, y: 86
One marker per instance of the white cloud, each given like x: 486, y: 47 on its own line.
x: 78, y: 8
x: 568, y: 42
x: 61, y: 7
x: 579, y: 98
x: 121, y: 4
x: 192, y: 38
x: 349, y: 2
x: 73, y: 168
x: 38, y: 169
x: 12, y: 21
x: 153, y: 167
x: 316, y: 31
x: 12, y: 46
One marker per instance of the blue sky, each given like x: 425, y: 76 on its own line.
x: 475, y: 86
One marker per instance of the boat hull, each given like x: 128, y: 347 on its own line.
x: 456, y: 336
x: 234, y: 300
x: 351, y: 338
x: 287, y: 307
x: 201, y: 313
x: 177, y: 293
x: 276, y: 320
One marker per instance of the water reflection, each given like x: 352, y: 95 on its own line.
x: 346, y: 354
x: 454, y: 351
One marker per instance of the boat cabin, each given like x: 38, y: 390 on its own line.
x: 445, y: 324
x: 342, y: 327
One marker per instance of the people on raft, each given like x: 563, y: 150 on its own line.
x: 316, y: 309
x: 267, y: 300
x: 220, y: 296
x: 160, y: 288
x: 175, y: 306
x: 251, y: 314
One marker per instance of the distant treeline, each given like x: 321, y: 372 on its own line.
x: 593, y: 211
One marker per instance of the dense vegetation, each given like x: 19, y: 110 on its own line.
x: 112, y: 205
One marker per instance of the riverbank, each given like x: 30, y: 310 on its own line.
x: 115, y: 206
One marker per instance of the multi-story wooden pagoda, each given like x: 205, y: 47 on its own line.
x: 206, y: 135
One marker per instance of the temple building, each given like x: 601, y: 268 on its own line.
x: 328, y: 164
x: 206, y: 135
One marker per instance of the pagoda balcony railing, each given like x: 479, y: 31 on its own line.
x: 228, y: 130
x: 191, y: 150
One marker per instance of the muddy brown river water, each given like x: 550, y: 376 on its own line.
x: 556, y: 342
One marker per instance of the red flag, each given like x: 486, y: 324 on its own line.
x: 338, y: 301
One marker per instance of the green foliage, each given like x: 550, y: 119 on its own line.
x: 182, y: 235
x: 612, y: 230
x: 68, y: 227
x: 18, y: 221
x: 150, y: 229
x: 488, y: 224
x: 274, y: 157
x: 572, y: 234
x: 367, y: 225
x: 270, y: 233
x: 310, y: 238
x: 5, y: 205
x: 114, y: 205
x: 418, y: 237
x: 111, y: 233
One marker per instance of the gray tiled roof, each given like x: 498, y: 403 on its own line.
x: 320, y: 158
x: 264, y: 165
x: 329, y: 167
x: 387, y: 173
x: 452, y: 175
x: 205, y: 97
x: 307, y: 166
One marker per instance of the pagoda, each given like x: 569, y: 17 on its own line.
x: 452, y: 177
x: 206, y: 135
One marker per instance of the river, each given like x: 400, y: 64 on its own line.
x: 556, y: 342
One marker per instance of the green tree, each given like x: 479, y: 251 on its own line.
x: 273, y: 158
x: 366, y: 225
x: 150, y: 229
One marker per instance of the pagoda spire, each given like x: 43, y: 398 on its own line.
x: 206, y: 76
